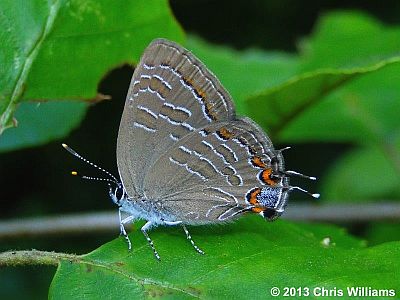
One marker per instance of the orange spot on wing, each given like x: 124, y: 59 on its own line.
x: 225, y: 133
x: 252, y: 197
x: 266, y: 177
x: 257, y: 209
x: 256, y: 161
x: 201, y: 92
x: 197, y: 90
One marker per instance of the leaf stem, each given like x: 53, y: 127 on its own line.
x: 34, y: 257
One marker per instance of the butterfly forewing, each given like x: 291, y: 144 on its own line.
x: 171, y: 95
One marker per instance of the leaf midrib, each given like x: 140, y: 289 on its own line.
x: 141, y: 281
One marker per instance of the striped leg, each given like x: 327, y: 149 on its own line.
x: 191, y: 241
x: 187, y: 234
x: 146, y: 227
x: 122, y: 228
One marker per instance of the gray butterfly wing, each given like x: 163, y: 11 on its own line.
x: 210, y: 174
x: 171, y: 95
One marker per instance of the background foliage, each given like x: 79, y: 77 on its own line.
x: 324, y: 81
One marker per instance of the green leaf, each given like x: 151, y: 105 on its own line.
x: 302, y: 95
x: 348, y: 40
x: 344, y: 69
x: 61, y: 49
x: 243, y: 260
x: 365, y: 111
x: 43, y: 122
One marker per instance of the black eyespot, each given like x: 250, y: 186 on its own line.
x: 270, y: 214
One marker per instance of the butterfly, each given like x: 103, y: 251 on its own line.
x: 184, y: 157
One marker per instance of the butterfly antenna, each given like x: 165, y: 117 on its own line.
x: 284, y: 149
x: 108, y: 180
x: 294, y: 173
x: 291, y: 188
x: 76, y: 154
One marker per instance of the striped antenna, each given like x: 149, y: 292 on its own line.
x: 291, y: 188
x: 75, y: 173
x: 294, y: 173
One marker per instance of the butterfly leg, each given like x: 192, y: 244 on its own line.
x: 191, y: 241
x: 144, y: 229
x: 123, y: 232
x: 188, y: 236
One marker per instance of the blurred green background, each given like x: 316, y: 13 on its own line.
x: 353, y: 133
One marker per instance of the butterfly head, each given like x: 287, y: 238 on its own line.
x: 117, y: 193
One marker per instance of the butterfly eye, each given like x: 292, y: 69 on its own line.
x: 119, y: 192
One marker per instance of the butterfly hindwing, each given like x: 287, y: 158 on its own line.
x: 208, y: 175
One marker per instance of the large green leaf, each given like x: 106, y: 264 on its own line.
x: 243, y: 260
x: 365, y: 111
x: 350, y: 65
x: 293, y: 110
x: 60, y: 49
x: 348, y: 40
